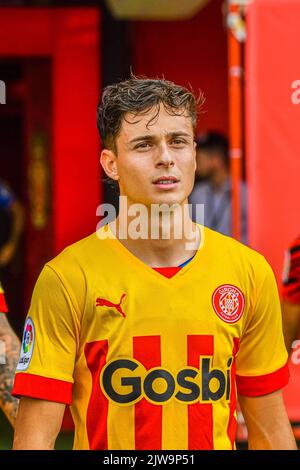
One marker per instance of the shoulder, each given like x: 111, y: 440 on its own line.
x: 64, y: 280
x: 234, y: 252
x: 92, y: 253
x: 76, y: 254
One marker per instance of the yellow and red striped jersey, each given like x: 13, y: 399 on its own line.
x: 149, y: 361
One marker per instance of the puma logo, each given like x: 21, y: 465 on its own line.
x: 107, y: 303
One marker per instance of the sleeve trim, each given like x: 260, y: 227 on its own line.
x: 43, y: 388
x: 263, y: 384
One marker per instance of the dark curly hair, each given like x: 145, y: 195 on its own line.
x: 138, y: 95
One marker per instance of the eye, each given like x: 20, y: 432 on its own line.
x: 178, y: 142
x: 143, y: 146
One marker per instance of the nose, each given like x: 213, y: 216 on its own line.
x: 165, y: 157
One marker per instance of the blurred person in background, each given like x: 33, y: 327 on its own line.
x: 11, y: 224
x: 9, y: 356
x: 291, y: 294
x: 213, y: 187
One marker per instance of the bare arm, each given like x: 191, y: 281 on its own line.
x: 38, y: 424
x: 267, y: 422
x: 290, y: 322
x: 11, y: 349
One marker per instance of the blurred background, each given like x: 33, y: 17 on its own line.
x: 56, y: 57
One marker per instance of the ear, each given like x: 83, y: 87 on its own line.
x: 108, y: 160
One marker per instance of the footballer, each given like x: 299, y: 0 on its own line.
x: 150, y: 339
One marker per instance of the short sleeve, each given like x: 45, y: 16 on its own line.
x: 261, y: 363
x: 3, y: 306
x: 49, y: 344
x: 290, y: 289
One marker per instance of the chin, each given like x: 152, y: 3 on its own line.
x: 169, y: 199
x: 162, y: 198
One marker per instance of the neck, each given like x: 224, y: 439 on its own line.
x: 159, y: 235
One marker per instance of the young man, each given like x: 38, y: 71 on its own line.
x: 149, y: 338
x: 9, y: 356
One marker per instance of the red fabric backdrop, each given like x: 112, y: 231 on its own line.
x: 192, y: 51
x: 70, y: 38
x: 273, y: 138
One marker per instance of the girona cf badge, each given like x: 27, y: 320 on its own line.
x: 228, y: 302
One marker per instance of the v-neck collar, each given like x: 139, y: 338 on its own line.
x: 141, y: 266
x: 168, y: 272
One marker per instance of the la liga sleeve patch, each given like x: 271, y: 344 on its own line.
x: 27, y: 345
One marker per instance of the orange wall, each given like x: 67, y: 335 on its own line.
x: 272, y: 130
x: 273, y: 140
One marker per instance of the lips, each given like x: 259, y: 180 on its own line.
x: 166, y: 180
x: 166, y: 183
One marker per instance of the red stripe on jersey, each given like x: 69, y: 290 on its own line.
x: 231, y: 429
x: 148, y: 417
x: 43, y: 388
x: 200, y: 416
x: 263, y: 384
x: 168, y: 271
x: 96, y: 417
x: 3, y: 306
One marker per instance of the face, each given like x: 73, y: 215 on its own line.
x: 154, y: 164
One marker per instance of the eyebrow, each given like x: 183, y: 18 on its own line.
x: 153, y: 137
